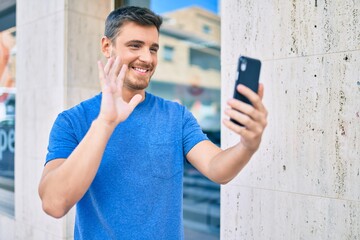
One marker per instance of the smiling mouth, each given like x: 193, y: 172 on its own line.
x: 140, y: 70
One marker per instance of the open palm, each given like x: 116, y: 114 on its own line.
x: 113, y: 108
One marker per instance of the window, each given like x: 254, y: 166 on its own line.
x: 194, y: 81
x: 168, y: 53
x: 7, y: 119
x: 204, y: 60
x: 206, y: 29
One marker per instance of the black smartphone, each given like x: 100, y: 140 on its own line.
x: 248, y: 73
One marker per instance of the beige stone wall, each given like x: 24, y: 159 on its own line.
x: 58, y: 45
x: 303, y: 181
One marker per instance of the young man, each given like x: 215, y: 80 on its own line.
x: 119, y: 155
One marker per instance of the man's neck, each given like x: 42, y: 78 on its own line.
x: 129, y: 94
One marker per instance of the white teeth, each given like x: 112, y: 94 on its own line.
x: 140, y: 70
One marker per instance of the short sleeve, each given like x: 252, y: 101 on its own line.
x: 62, y: 139
x: 192, y: 133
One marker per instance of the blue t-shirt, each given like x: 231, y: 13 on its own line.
x: 137, y: 191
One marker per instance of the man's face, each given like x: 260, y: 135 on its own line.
x: 137, y: 47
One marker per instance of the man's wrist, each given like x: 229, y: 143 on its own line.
x: 108, y: 125
x: 245, y: 150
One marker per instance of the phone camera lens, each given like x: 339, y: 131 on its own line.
x: 243, y: 66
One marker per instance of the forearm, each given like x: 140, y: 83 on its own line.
x: 62, y: 187
x: 224, y: 166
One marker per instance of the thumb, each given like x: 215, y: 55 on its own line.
x: 135, y: 100
x: 261, y: 90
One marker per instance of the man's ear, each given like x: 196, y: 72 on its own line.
x: 106, y: 46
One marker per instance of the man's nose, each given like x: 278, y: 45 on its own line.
x: 145, y: 56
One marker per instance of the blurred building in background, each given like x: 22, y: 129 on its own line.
x: 7, y: 106
x: 189, y: 72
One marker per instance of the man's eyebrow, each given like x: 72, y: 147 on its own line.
x: 155, y: 45
x: 141, y: 42
x: 135, y: 41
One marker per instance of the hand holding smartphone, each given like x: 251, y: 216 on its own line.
x: 248, y: 73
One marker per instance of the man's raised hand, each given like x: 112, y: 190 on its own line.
x: 113, y: 107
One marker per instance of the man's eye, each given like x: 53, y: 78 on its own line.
x: 135, y: 46
x: 153, y: 50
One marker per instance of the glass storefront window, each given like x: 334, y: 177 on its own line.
x: 7, y: 119
x: 168, y: 53
x: 189, y: 72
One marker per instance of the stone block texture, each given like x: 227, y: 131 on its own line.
x: 58, y: 46
x: 303, y: 181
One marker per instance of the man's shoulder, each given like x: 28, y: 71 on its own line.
x: 88, y: 108
x: 165, y: 103
x: 91, y: 103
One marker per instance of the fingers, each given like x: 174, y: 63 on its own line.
x: 104, y: 71
x: 135, y: 100
x: 253, y: 125
x: 239, y: 117
x: 121, y: 76
x: 108, y: 75
x: 249, y: 139
x: 254, y: 118
x: 108, y: 65
x: 101, y: 73
x: 115, y: 68
x: 246, y: 114
x: 242, y: 131
x: 254, y: 98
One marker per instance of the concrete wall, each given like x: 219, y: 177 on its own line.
x: 58, y: 45
x: 303, y: 183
